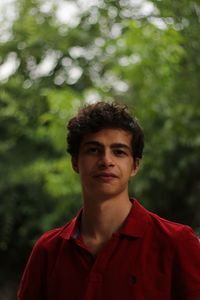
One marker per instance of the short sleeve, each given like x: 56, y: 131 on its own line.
x: 32, y: 285
x: 186, y: 282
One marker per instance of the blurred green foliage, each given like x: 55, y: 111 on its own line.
x: 112, y: 51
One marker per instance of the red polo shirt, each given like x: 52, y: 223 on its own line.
x: 148, y: 259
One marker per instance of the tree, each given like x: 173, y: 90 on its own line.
x: 111, y: 50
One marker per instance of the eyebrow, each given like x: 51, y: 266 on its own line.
x: 114, y: 145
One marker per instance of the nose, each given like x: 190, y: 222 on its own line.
x: 106, y: 160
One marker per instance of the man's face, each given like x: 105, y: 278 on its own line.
x: 105, y: 163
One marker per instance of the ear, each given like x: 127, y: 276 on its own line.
x: 74, y: 162
x: 136, y: 166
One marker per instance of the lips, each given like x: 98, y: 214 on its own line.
x: 105, y: 175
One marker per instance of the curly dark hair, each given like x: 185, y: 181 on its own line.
x: 94, y: 117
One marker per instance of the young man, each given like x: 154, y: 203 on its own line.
x: 114, y: 248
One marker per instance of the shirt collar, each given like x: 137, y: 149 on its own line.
x: 137, y: 221
x: 71, y: 230
x: 135, y: 224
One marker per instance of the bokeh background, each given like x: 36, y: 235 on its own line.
x: 55, y: 55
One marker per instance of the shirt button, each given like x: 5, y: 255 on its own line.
x: 132, y: 279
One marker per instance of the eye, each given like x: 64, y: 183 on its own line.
x: 119, y: 152
x: 93, y: 150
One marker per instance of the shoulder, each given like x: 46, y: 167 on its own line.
x: 179, y: 235
x: 170, y: 228
x: 53, y: 238
x: 49, y: 236
x: 157, y: 224
x: 165, y: 226
x: 158, y: 229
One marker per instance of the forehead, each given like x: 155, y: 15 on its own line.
x: 109, y: 136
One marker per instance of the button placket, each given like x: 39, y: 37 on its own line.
x: 98, y: 270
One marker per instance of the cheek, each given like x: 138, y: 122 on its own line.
x: 126, y: 171
x: 85, y: 167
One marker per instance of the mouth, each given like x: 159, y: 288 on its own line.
x: 105, y: 176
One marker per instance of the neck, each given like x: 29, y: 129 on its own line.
x: 100, y: 219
